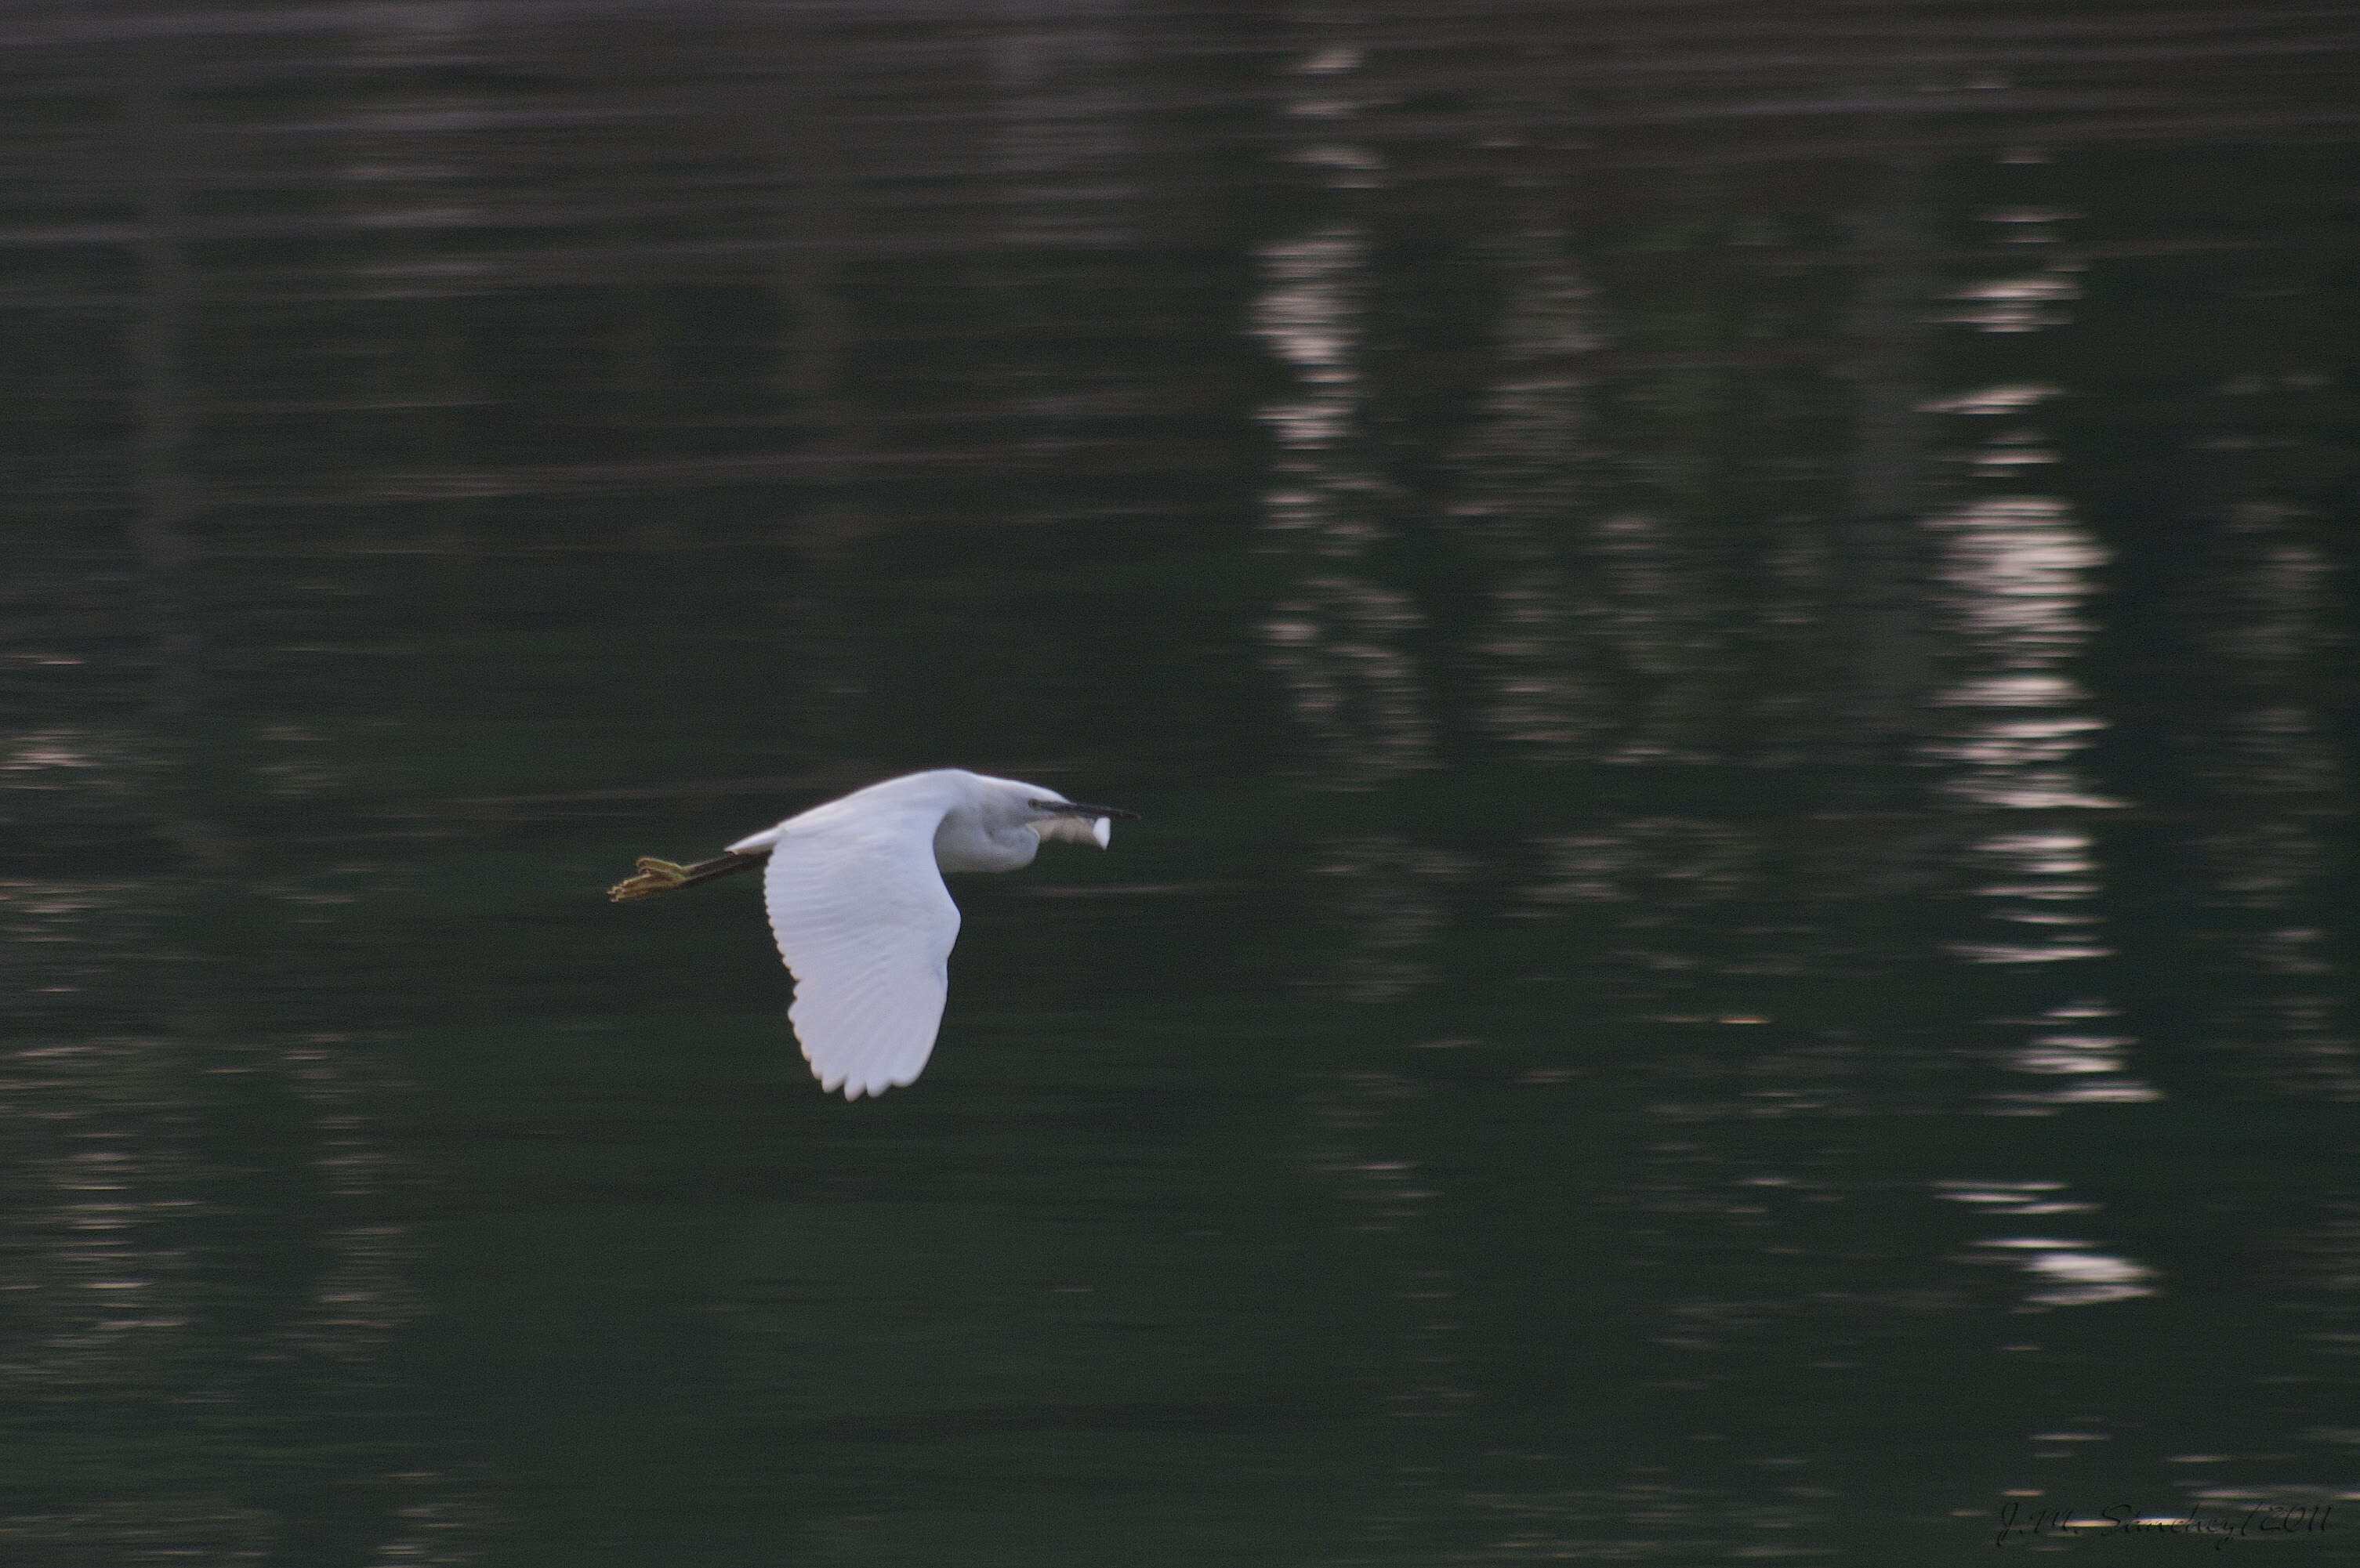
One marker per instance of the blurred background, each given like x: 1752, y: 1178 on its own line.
x: 1732, y: 624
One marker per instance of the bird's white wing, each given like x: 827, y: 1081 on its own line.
x: 864, y: 921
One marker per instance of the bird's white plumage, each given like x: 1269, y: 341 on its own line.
x: 857, y: 905
x: 865, y: 923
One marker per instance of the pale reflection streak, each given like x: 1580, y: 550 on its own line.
x: 1060, y: 144
x: 1663, y: 624
x: 2070, y: 1273
x: 1361, y: 1122
x: 1337, y: 638
x: 1584, y: 606
x: 397, y: 168
x: 2044, y: 881
x: 98, y: 1291
x: 366, y: 1294
x: 124, y: 1284
x: 2017, y: 304
x: 73, y: 773
x: 1386, y: 901
x: 1523, y: 469
x: 1341, y: 643
x: 2265, y: 765
x: 2014, y: 574
x: 2005, y: 398
x: 1308, y: 316
x: 100, y: 1277
x: 2064, y: 1272
x: 2085, y: 1052
x: 2012, y: 726
x: 117, y: 1296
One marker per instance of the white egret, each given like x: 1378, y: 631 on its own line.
x: 857, y: 904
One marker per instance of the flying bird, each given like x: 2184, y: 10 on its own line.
x: 857, y: 901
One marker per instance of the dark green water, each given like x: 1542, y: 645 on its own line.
x: 1733, y: 626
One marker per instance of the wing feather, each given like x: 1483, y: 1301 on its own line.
x: 866, y: 926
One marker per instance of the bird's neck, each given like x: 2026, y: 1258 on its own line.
x: 963, y: 843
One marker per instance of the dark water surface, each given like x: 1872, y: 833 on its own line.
x: 1733, y: 625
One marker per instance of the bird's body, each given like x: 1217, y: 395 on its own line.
x: 857, y: 905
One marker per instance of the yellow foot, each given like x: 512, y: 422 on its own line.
x: 655, y: 876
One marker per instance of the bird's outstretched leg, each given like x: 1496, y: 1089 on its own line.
x: 654, y: 876
x: 661, y: 875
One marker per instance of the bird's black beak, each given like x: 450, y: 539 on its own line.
x: 1077, y: 808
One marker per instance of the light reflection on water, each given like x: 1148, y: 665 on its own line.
x: 1336, y: 636
x: 2017, y: 572
x: 1736, y: 897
